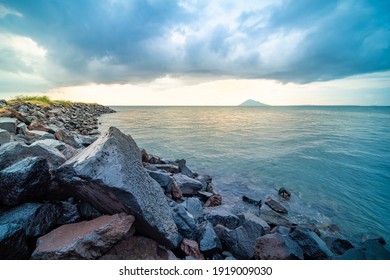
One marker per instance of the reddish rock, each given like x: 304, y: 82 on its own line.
x: 176, y: 191
x: 213, y: 201
x: 191, y: 248
x: 277, y: 247
x: 84, y: 240
x: 138, y: 248
x: 37, y: 125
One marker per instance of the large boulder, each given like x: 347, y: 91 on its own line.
x: 24, y: 181
x: 277, y: 247
x: 185, y: 222
x: 194, y: 206
x: 109, y: 175
x: 209, y: 243
x: 5, y: 136
x: 314, y: 248
x: 163, y: 178
x: 36, y: 219
x: 9, y: 124
x: 67, y: 150
x: 187, y: 185
x: 13, y: 245
x: 224, y: 218
x: 84, y: 240
x: 15, y: 151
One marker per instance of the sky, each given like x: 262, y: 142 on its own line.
x: 197, y: 52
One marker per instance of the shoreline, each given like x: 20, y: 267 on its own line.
x: 83, y: 180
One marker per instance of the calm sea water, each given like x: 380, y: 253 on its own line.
x: 334, y: 160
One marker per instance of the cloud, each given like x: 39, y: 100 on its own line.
x: 118, y: 41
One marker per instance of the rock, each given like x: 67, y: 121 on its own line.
x: 67, y: 150
x: 209, y: 243
x: 38, y: 135
x: 277, y: 247
x: 191, y: 248
x: 83, y: 240
x: 204, y: 196
x: 15, y: 151
x: 69, y: 213
x: 194, y: 206
x: 62, y: 136
x: 5, y: 136
x: 375, y: 250
x: 144, y: 156
x: 9, y: 124
x: 352, y: 254
x: 155, y: 160
x: 3, y: 103
x: 337, y: 245
x: 206, y: 181
x: 281, y: 230
x: 213, y: 201
x: 251, y: 200
x: 314, y: 248
x: 170, y: 168
x: 276, y: 206
x: 274, y: 219
x: 224, y: 218
x: 21, y: 128
x: 176, y: 191
x: 109, y: 175
x: 87, y: 212
x: 163, y: 178
x: 36, y: 219
x: 24, y: 181
x: 37, y: 125
x: 83, y: 140
x: 284, y: 193
x: 183, y: 169
x: 185, y: 222
x: 13, y: 114
x: 256, y: 222
x: 187, y: 185
x: 138, y: 248
x: 13, y: 245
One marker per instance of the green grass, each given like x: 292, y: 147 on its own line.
x: 41, y: 100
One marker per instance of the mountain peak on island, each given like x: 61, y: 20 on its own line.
x: 252, y: 103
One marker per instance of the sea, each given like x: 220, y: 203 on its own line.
x: 335, y: 160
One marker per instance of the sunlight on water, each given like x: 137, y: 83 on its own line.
x: 335, y: 160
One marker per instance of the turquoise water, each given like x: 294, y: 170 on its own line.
x: 334, y: 160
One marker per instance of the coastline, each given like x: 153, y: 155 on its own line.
x: 86, y: 178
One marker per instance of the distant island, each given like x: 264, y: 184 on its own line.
x: 252, y: 103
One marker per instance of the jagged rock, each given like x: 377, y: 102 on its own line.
x: 84, y: 240
x: 84, y: 140
x: 204, y: 196
x: 284, y: 193
x: 176, y: 191
x: 213, y: 201
x: 281, y: 230
x: 163, y: 178
x: 87, y: 211
x: 109, y: 175
x: 277, y: 247
x: 374, y: 249
x: 171, y: 168
x: 14, y: 151
x: 185, y: 222
x: 337, y: 245
x: 62, y: 136
x: 69, y: 213
x: 274, y: 219
x: 251, y: 200
x: 11, y: 113
x: 21, y: 128
x: 209, y: 243
x: 206, y: 180
x: 138, y: 248
x: 276, y: 206
x: 314, y: 248
x: 67, y: 150
x: 256, y: 222
x: 37, y: 125
x: 194, y: 206
x: 9, y: 124
x: 24, y: 181
x: 13, y: 245
x: 183, y: 169
x: 191, y: 248
x: 36, y: 219
x: 5, y: 136
x: 35, y: 135
x: 144, y: 156
x: 187, y: 185
x: 224, y: 218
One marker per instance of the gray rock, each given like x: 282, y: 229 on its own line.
x: 14, y: 151
x: 170, y: 168
x: 39, y: 134
x: 224, y: 218
x: 36, y: 219
x: 67, y: 150
x: 69, y: 213
x: 22, y: 128
x: 257, y: 222
x: 314, y: 248
x: 87, y: 211
x: 284, y: 193
x: 337, y: 245
x: 183, y: 169
x: 109, y: 175
x: 185, y: 222
x: 187, y: 185
x: 277, y: 247
x: 9, y: 124
x: 163, y: 178
x: 194, y: 206
x: 24, y: 181
x: 84, y: 240
x: 84, y: 140
x: 276, y: 206
x: 204, y: 196
x: 209, y: 243
x: 256, y: 202
x: 274, y: 219
x: 281, y: 230
x: 13, y: 245
x: 5, y: 136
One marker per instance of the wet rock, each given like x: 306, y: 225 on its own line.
x: 9, y: 124
x: 284, y: 193
x: 191, y: 248
x: 84, y: 240
x: 314, y: 248
x: 185, y: 222
x: 213, y: 201
x: 36, y: 219
x: 138, y: 248
x: 276, y: 206
x: 256, y: 222
x: 206, y: 180
x: 13, y: 245
x: 277, y: 247
x: 194, y: 206
x: 183, y: 169
x: 14, y: 151
x: 224, y: 218
x: 209, y: 243
x: 170, y: 168
x: 352, y: 254
x: 163, y: 178
x: 204, y: 196
x: 274, y: 219
x: 24, y: 181
x: 337, y: 245
x: 67, y: 150
x: 109, y: 175
x: 5, y: 136
x: 187, y: 185
x: 251, y: 200
x: 375, y: 249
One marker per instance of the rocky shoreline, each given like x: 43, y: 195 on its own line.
x: 69, y: 192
